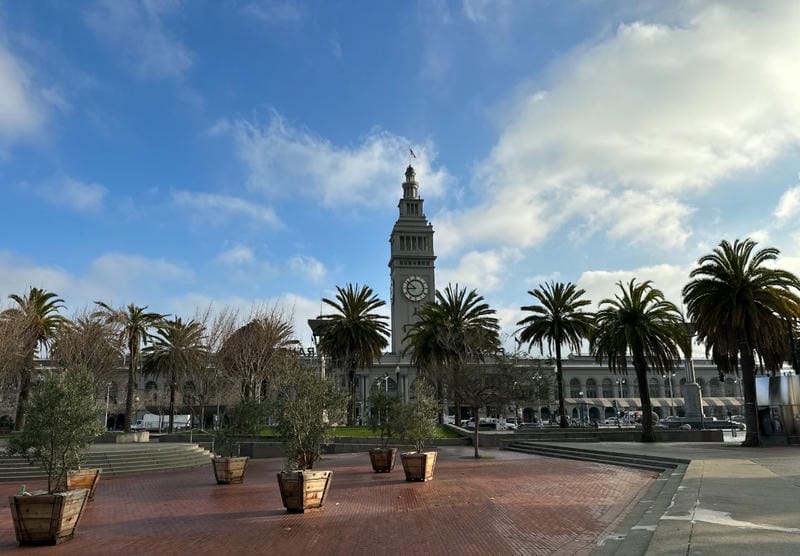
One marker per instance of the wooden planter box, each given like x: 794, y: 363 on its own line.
x: 84, y: 478
x: 47, y: 518
x: 229, y: 470
x: 304, y: 490
x: 418, y: 466
x: 383, y: 459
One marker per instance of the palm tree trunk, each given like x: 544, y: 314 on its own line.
x: 749, y: 390
x: 133, y: 354
x: 172, y: 388
x: 351, y: 413
x: 640, y: 365
x: 560, y: 381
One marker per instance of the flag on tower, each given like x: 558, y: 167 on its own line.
x: 411, y: 153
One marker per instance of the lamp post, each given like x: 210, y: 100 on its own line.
x: 385, y: 379
x: 581, y: 408
x: 671, y: 392
x: 620, y: 382
x: 108, y: 393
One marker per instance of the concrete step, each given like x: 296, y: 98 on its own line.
x: 649, y: 463
x: 119, y: 461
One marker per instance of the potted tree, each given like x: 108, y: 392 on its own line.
x: 384, y: 418
x: 62, y: 421
x: 246, y: 419
x: 417, y: 424
x: 305, y: 408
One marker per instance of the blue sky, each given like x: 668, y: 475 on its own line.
x: 181, y: 154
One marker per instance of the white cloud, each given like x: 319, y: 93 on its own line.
x: 601, y: 284
x: 136, y: 30
x: 21, y: 110
x: 283, y: 160
x: 642, y: 120
x: 124, y: 270
x: 481, y: 270
x: 309, y: 267
x: 789, y: 204
x: 238, y: 254
x: 218, y: 208
x: 77, y: 195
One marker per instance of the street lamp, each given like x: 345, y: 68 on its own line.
x: 108, y: 392
x: 671, y: 392
x: 385, y: 379
x: 581, y: 408
x: 620, y: 382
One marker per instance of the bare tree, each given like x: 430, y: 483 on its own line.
x: 253, y: 353
x: 89, y: 342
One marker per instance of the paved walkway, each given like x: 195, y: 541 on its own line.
x: 730, y: 501
x: 514, y: 504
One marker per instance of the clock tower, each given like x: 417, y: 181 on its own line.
x: 412, y: 261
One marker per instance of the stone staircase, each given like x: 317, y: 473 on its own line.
x: 636, y: 461
x: 116, y: 459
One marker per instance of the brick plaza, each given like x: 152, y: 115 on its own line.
x: 512, y: 504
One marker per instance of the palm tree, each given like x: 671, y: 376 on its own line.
x: 177, y: 348
x: 456, y: 329
x: 355, y: 335
x: 557, y: 320
x: 134, y: 327
x: 740, y: 308
x: 37, y: 315
x: 644, y: 326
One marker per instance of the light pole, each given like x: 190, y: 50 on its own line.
x: 620, y: 382
x: 671, y: 392
x: 385, y: 379
x: 108, y: 392
x: 581, y: 408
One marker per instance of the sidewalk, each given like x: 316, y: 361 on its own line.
x: 731, y: 501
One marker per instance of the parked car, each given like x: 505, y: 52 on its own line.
x: 612, y: 421
x: 511, y: 424
x: 528, y: 426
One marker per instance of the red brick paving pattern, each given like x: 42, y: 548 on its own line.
x: 515, y: 504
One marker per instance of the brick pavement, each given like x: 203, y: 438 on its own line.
x: 514, y: 504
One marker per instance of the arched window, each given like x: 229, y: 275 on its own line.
x: 189, y: 393
x: 591, y: 388
x: 608, y: 388
x: 730, y: 387
x: 682, y: 388
x: 113, y: 392
x: 151, y: 391
x: 574, y: 388
x: 714, y: 387
x: 655, y: 388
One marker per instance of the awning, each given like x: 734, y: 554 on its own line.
x: 723, y: 402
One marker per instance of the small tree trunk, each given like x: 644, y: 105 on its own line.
x: 476, y: 434
x: 22, y: 401
x: 172, y: 387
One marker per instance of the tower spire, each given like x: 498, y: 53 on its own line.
x: 410, y: 186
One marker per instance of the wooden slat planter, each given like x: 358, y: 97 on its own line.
x: 47, y: 518
x: 229, y: 470
x: 304, y: 490
x: 383, y: 459
x: 418, y: 466
x: 84, y: 478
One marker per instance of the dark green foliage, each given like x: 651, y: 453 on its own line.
x: 306, y: 407
x: 741, y: 306
x: 355, y: 335
x: 641, y: 326
x: 417, y: 421
x: 385, y: 414
x: 62, y: 421
x: 246, y: 418
x: 558, y: 320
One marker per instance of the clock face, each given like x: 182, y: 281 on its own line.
x: 415, y: 288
